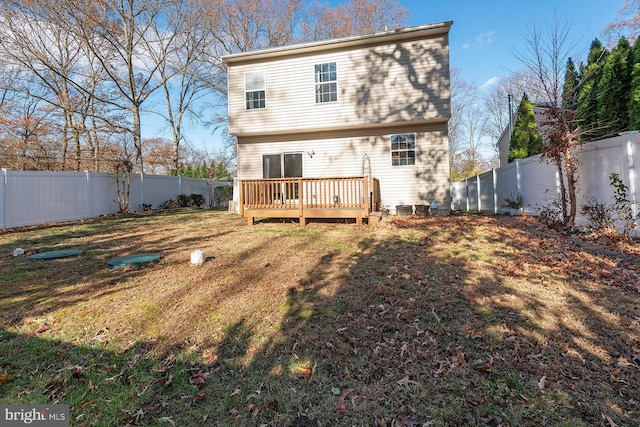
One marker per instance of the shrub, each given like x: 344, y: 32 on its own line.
x: 197, y: 200
x: 183, y: 201
x: 551, y: 215
x: 169, y: 204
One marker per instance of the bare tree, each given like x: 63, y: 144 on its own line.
x: 467, y: 129
x: 182, y: 71
x: 626, y: 23
x: 356, y: 17
x: 547, y: 53
x: 463, y: 94
x: 118, y: 34
x: 49, y: 55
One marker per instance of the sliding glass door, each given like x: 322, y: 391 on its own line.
x: 284, y: 165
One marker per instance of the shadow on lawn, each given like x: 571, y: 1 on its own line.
x: 33, y: 288
x: 424, y: 325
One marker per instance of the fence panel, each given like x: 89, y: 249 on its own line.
x: 538, y: 181
x: 28, y: 198
x: 487, y: 191
x: 102, y: 194
x: 472, y: 194
x: 458, y: 196
x: 507, y: 178
x: 39, y: 197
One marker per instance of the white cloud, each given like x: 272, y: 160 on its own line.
x: 491, y: 82
x: 486, y: 38
x: 466, y: 46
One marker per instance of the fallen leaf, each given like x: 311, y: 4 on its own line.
x: 89, y: 403
x: 341, y: 404
x: 305, y: 370
x: 273, y: 404
x: 409, y: 421
x: 406, y: 381
x: 4, y: 378
x: 542, y: 382
x: 202, y: 396
x: 167, y: 420
x: 609, y: 420
x: 197, y: 379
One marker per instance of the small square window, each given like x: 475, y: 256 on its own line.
x: 403, y: 149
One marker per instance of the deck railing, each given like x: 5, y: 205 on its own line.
x: 335, y: 197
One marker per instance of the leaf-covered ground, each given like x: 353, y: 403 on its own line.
x: 461, y: 320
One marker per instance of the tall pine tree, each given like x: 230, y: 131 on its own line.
x: 613, y: 89
x: 570, y: 87
x: 634, y: 92
x: 588, y: 92
x: 525, y: 140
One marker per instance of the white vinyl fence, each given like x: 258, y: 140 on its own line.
x: 538, y: 182
x: 29, y: 198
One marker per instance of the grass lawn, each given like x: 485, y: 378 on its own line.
x: 461, y: 320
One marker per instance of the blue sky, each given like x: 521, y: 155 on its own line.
x: 483, y: 37
x: 485, y: 32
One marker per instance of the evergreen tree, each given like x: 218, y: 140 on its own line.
x: 634, y: 91
x: 613, y: 87
x: 570, y: 87
x: 588, y: 92
x: 525, y: 140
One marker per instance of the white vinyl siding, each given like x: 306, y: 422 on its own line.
x: 402, y: 82
x: 255, y: 86
x: 426, y: 182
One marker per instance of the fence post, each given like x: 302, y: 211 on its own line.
x: 518, y: 183
x: 495, y: 190
x: 87, y: 194
x: 466, y: 192
x: 5, y: 191
x: 141, y: 190
x: 478, y: 190
x: 632, y: 177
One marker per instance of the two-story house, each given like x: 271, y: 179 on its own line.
x: 309, y: 116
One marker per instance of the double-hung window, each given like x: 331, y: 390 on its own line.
x: 255, y: 90
x: 326, y: 82
x: 403, y: 149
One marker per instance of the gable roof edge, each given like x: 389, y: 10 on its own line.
x: 378, y: 38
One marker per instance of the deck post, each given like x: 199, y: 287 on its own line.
x: 366, y: 198
x: 300, y: 202
x: 241, y: 196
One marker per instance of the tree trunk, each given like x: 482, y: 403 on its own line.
x: 137, y: 136
x: 570, y: 166
x: 563, y: 190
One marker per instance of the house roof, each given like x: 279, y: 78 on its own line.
x: 383, y: 37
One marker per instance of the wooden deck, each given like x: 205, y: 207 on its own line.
x: 304, y: 198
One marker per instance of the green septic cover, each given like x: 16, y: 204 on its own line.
x: 56, y: 254
x: 135, y: 261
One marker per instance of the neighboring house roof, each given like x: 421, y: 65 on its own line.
x: 382, y: 37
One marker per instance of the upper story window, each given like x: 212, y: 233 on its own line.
x: 403, y: 149
x: 255, y: 89
x: 326, y: 82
